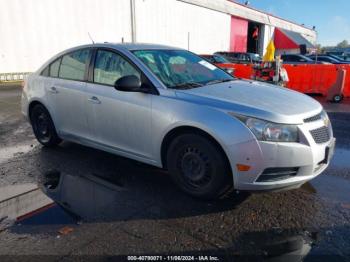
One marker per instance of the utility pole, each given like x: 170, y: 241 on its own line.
x: 133, y: 21
x: 188, y: 41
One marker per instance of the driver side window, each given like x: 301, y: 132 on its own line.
x: 109, y: 67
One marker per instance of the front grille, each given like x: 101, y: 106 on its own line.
x: 313, y: 118
x: 321, y: 135
x: 277, y: 173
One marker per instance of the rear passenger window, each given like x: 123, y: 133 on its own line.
x: 109, y: 67
x: 54, y: 67
x: 73, y: 65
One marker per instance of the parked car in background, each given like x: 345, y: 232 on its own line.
x: 169, y: 108
x: 298, y: 59
x: 215, y: 59
x: 344, y: 56
x: 221, y: 62
x: 326, y: 58
x: 240, y: 57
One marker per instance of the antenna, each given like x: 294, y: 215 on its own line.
x: 92, y: 40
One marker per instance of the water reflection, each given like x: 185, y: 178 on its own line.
x: 341, y: 158
x: 72, y: 200
x: 278, y: 245
x: 90, y: 198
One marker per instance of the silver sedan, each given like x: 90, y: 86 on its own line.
x: 169, y: 108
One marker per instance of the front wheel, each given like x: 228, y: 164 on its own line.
x: 199, y: 167
x: 43, y: 126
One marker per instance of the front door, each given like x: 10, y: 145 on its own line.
x: 120, y: 120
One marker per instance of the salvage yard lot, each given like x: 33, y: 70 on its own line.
x: 119, y: 207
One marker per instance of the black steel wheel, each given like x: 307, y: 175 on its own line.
x: 43, y: 126
x: 199, y: 167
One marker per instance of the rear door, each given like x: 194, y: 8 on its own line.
x: 120, y: 120
x: 66, y: 92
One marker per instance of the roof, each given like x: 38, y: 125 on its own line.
x: 297, y: 38
x: 136, y: 46
x: 269, y: 14
x: 285, y: 39
x: 252, y: 14
x: 125, y: 46
x: 120, y: 46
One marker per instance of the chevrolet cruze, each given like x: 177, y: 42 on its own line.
x: 169, y: 108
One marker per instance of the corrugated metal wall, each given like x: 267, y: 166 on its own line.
x: 175, y: 23
x: 32, y: 31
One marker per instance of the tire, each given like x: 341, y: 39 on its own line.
x: 337, y: 98
x: 199, y: 167
x: 43, y: 126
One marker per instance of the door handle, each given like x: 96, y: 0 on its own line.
x: 94, y: 100
x: 53, y: 90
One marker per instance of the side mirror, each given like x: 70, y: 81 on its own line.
x: 129, y: 83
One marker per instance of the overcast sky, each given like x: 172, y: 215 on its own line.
x: 331, y: 17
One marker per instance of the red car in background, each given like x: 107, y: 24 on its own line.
x: 221, y: 62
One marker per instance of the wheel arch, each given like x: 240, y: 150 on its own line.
x: 180, y: 130
x: 31, y: 105
x: 35, y: 102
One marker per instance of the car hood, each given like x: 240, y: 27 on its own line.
x: 255, y: 99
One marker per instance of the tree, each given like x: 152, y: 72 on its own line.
x: 343, y: 44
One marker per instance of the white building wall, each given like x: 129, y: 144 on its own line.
x: 32, y: 31
x: 246, y: 12
x: 175, y: 23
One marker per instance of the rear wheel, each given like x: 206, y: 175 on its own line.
x: 43, y: 126
x: 199, y: 167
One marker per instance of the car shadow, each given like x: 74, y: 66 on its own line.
x: 92, y: 187
x: 95, y: 186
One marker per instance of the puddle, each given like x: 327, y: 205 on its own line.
x: 6, y: 153
x: 278, y: 244
x: 89, y: 197
x: 18, y: 200
x: 25, y: 205
x: 62, y: 201
x: 59, y: 200
x: 48, y: 220
x: 331, y: 188
x: 341, y: 158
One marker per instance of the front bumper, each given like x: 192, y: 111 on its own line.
x: 307, y: 158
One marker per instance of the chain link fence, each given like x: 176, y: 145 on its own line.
x: 13, y: 77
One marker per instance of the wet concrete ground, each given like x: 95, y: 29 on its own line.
x: 81, y: 203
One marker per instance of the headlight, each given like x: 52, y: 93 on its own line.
x: 268, y: 131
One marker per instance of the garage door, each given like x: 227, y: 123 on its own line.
x: 239, y: 33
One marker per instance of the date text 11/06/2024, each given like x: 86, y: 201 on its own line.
x: 173, y: 258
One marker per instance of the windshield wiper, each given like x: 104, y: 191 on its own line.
x: 219, y: 81
x: 187, y: 85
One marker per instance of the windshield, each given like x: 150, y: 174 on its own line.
x: 221, y: 59
x: 181, y: 69
x: 256, y: 57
